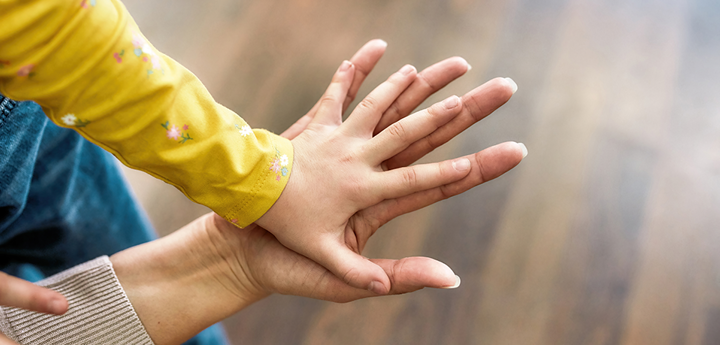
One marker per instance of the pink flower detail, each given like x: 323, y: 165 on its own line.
x: 145, y: 58
x: 84, y: 4
x: 275, y: 165
x: 24, y: 71
x: 155, y: 62
x: 173, y: 132
x: 117, y: 57
x: 138, y: 41
x: 234, y: 220
x: 277, y: 178
x: 185, y: 128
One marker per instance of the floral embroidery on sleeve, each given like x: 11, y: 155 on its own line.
x: 279, y: 165
x: 72, y: 120
x: 144, y: 52
x: 84, y: 3
x: 244, y: 130
x: 174, y: 133
x: 118, y: 56
x: 26, y: 71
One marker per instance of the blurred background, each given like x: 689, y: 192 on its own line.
x: 607, y: 233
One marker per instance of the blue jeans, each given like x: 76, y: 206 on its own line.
x: 63, y: 201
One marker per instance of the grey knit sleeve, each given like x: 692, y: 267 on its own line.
x: 99, y: 313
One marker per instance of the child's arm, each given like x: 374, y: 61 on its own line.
x: 87, y: 64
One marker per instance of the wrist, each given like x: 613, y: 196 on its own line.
x: 187, y: 281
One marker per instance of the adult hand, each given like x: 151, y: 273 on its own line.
x: 208, y: 270
x: 332, y: 226
x: 15, y: 292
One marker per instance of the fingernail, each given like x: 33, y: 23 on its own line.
x: 469, y: 68
x: 407, y: 69
x: 451, y: 102
x: 462, y: 164
x: 377, y: 288
x: 345, y: 66
x: 382, y: 41
x: 524, y: 149
x: 56, y: 306
x: 512, y: 85
x: 457, y: 283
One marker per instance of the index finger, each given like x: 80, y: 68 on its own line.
x: 364, y: 61
x: 15, y: 292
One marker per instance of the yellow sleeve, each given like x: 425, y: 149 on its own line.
x: 90, y: 68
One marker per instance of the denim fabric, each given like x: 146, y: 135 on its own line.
x: 63, y: 200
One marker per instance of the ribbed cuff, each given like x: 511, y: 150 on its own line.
x: 99, y: 312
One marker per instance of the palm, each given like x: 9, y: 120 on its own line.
x: 270, y: 267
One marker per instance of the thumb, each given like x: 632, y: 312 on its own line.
x: 414, y: 273
x: 329, y: 110
x: 354, y: 269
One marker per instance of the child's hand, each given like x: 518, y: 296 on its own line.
x: 338, y: 172
x: 429, y: 81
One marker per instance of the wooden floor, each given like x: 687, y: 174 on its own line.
x: 609, y: 231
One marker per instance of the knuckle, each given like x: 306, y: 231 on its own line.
x: 327, y: 98
x: 351, y: 275
x: 409, y: 177
x: 396, y: 270
x: 427, y: 84
x: 448, y: 191
x: 477, y: 110
x: 482, y: 171
x: 398, y: 130
x: 369, y: 103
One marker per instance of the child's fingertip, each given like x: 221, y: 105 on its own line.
x: 345, y: 66
x: 461, y: 165
x: 408, y: 69
x: 451, y: 102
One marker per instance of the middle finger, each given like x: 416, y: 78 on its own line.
x: 366, y: 115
